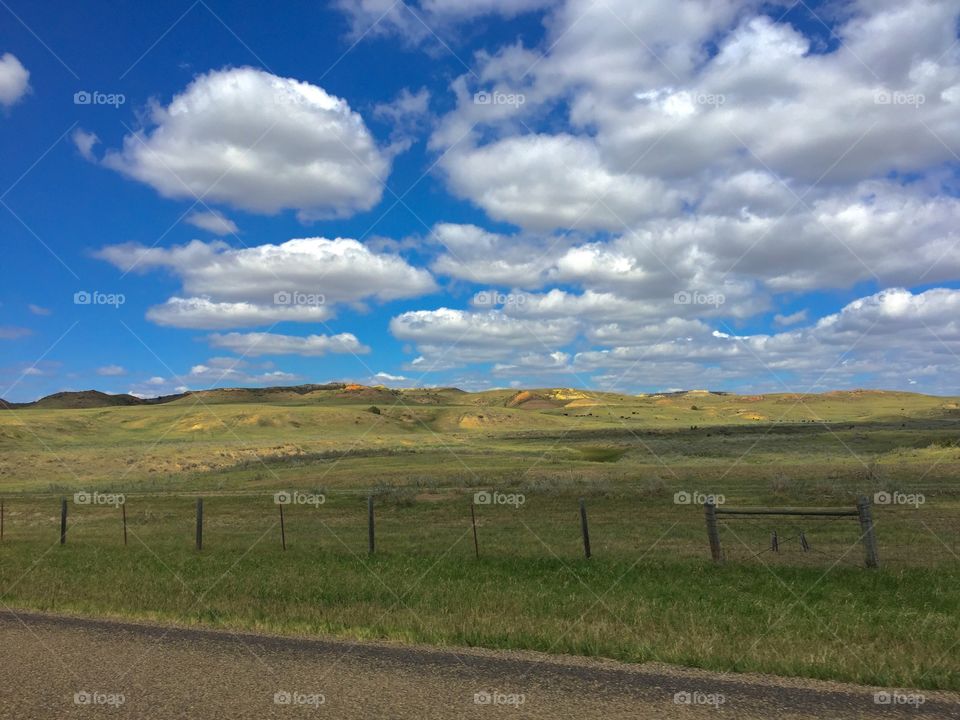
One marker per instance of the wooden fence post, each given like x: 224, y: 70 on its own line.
x: 63, y: 521
x: 713, y: 531
x: 865, y: 512
x: 283, y: 531
x: 473, y: 520
x: 199, y: 523
x: 584, y: 528
x: 371, y: 540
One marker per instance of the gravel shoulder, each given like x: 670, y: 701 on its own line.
x: 70, y: 667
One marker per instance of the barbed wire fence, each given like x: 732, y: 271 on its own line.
x: 863, y: 535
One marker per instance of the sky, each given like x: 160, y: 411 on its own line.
x: 605, y: 194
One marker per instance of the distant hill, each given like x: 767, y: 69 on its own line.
x: 87, y: 399
x: 330, y: 394
x: 702, y: 403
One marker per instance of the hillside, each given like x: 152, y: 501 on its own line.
x: 693, y: 406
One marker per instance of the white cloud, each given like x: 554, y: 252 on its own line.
x: 791, y: 319
x: 257, y: 142
x: 543, y: 182
x: 213, y: 221
x: 416, y: 21
x: 257, y: 344
x: 205, y: 314
x: 407, y: 114
x: 85, y: 142
x: 301, y: 280
x: 111, y: 371
x: 458, y: 336
x: 881, y: 340
x: 38, y: 310
x: 385, y: 378
x: 650, y: 113
x: 14, y: 80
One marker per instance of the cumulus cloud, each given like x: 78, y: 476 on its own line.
x: 213, y: 221
x: 111, y: 370
x: 649, y: 113
x: 14, y: 80
x: 881, y: 340
x: 257, y: 142
x: 85, y: 141
x: 543, y: 182
x: 301, y: 280
x: 460, y: 336
x: 257, y: 344
x: 204, y: 314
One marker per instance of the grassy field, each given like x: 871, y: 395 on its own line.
x: 648, y: 593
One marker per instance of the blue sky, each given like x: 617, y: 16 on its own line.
x: 733, y: 195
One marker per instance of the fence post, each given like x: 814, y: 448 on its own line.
x: 123, y: 507
x: 371, y: 541
x: 473, y: 520
x: 865, y: 513
x: 199, y: 523
x: 584, y: 528
x: 713, y: 531
x: 63, y: 521
x: 283, y: 531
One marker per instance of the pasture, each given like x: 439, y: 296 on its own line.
x: 641, y: 465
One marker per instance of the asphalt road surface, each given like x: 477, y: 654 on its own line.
x: 56, y: 668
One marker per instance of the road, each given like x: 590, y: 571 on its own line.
x: 57, y: 667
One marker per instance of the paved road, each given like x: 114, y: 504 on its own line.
x: 55, y: 667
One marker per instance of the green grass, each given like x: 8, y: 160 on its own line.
x: 649, y: 592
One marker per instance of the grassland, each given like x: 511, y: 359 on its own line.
x: 648, y: 593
